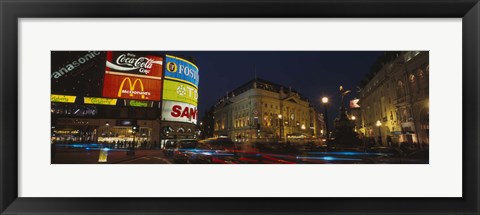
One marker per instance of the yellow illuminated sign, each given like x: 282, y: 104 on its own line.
x: 99, y: 101
x: 131, y: 86
x: 67, y: 132
x: 62, y: 98
x: 103, y: 156
x: 180, y: 92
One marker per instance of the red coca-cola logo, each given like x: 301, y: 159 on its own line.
x: 130, y: 62
x: 143, y: 64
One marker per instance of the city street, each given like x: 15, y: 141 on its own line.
x: 115, y: 156
x: 245, y: 154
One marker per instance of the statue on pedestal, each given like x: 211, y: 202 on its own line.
x: 345, y: 136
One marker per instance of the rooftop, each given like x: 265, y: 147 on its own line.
x: 264, y: 85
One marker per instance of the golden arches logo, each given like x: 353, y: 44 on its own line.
x: 131, y: 86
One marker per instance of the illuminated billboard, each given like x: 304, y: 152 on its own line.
x: 62, y: 98
x: 76, y: 73
x: 99, y: 101
x: 180, y: 69
x: 130, y: 75
x: 134, y: 63
x: 179, y: 112
x: 117, y: 86
x: 180, y: 92
x: 136, y: 103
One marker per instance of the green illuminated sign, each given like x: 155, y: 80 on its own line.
x: 136, y: 103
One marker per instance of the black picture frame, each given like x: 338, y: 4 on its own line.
x: 11, y: 11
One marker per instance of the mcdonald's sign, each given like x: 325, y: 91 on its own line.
x: 131, y: 87
x: 132, y: 90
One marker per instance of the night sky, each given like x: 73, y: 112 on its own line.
x: 314, y: 74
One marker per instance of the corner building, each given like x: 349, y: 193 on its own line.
x: 398, y: 97
x: 97, y: 96
x: 262, y: 111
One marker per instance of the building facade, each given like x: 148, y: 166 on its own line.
x: 395, y: 102
x: 263, y: 111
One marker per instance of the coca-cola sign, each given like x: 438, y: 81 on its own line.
x: 134, y: 63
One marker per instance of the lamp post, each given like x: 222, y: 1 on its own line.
x: 107, y: 125
x: 325, y: 101
x: 281, y: 125
x: 379, y: 124
x: 353, y: 118
x: 132, y: 148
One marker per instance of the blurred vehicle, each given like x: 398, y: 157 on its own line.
x: 214, y: 150
x: 270, y: 147
x: 386, y: 151
x: 182, y: 150
x: 169, y: 147
x: 221, y: 144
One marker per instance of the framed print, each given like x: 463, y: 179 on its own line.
x: 174, y: 107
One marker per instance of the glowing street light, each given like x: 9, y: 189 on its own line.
x: 353, y: 117
x: 280, y: 121
x: 325, y: 101
x: 379, y: 124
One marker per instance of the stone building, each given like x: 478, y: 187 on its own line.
x: 395, y: 101
x: 260, y: 110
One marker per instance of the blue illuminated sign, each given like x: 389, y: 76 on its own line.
x: 181, y: 70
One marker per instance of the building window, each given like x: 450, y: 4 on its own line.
x: 412, y: 78
x: 413, y: 83
x: 400, y: 90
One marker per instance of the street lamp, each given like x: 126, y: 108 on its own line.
x: 107, y: 125
x: 353, y: 117
x: 325, y: 101
x: 379, y: 124
x: 135, y: 129
x: 281, y: 125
